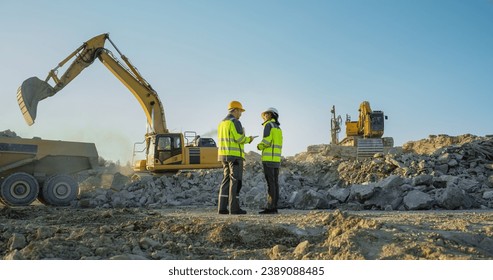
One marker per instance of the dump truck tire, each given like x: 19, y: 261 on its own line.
x: 19, y: 189
x: 59, y: 190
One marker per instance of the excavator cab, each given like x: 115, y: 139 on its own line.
x: 168, y: 147
x: 374, y: 125
x: 170, y: 152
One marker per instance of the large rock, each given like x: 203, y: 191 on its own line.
x: 424, y: 179
x: 454, y: 198
x: 418, y: 200
x: 391, y: 181
x: 341, y: 194
x: 17, y: 241
x: 310, y: 200
x: 361, y: 193
x: 488, y: 194
x: 387, y: 198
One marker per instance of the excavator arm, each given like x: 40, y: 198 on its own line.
x: 164, y: 151
x: 144, y: 93
x: 34, y: 89
x: 364, y: 118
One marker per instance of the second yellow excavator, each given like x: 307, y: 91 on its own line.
x: 366, y: 134
x: 165, y: 151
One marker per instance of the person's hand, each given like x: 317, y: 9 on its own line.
x: 258, y: 147
x: 251, y: 139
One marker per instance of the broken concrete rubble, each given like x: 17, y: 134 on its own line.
x: 442, y: 172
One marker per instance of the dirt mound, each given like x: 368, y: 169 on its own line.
x: 435, y: 142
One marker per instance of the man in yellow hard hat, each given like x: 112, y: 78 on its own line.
x: 231, y: 138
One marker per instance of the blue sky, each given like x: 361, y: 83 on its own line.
x: 428, y: 64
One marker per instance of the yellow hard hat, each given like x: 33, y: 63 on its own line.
x: 235, y: 105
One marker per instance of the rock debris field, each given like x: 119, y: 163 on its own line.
x: 429, y: 199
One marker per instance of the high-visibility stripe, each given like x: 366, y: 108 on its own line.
x: 229, y: 149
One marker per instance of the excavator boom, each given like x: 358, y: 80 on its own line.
x: 143, y: 92
x: 34, y: 89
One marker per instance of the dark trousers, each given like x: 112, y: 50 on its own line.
x: 272, y: 177
x: 229, y: 191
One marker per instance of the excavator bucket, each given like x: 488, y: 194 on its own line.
x: 29, y: 94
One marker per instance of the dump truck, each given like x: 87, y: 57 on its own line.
x: 164, y: 151
x: 40, y: 169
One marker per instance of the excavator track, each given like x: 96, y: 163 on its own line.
x: 369, y: 147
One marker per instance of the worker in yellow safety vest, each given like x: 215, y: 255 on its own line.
x: 231, y: 138
x: 271, y: 147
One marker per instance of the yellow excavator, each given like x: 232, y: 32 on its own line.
x: 366, y: 134
x: 164, y: 151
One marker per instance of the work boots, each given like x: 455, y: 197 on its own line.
x: 238, y: 212
x: 268, y: 211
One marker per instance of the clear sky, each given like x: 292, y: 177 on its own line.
x: 428, y: 64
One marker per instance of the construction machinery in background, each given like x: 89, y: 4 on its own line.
x: 367, y: 132
x: 33, y: 169
x: 364, y: 137
x: 335, y: 126
x: 164, y: 151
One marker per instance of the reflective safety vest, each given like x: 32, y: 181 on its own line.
x: 231, y: 138
x: 271, y: 145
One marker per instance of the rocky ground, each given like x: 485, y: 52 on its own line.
x: 40, y: 232
x: 430, y: 199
